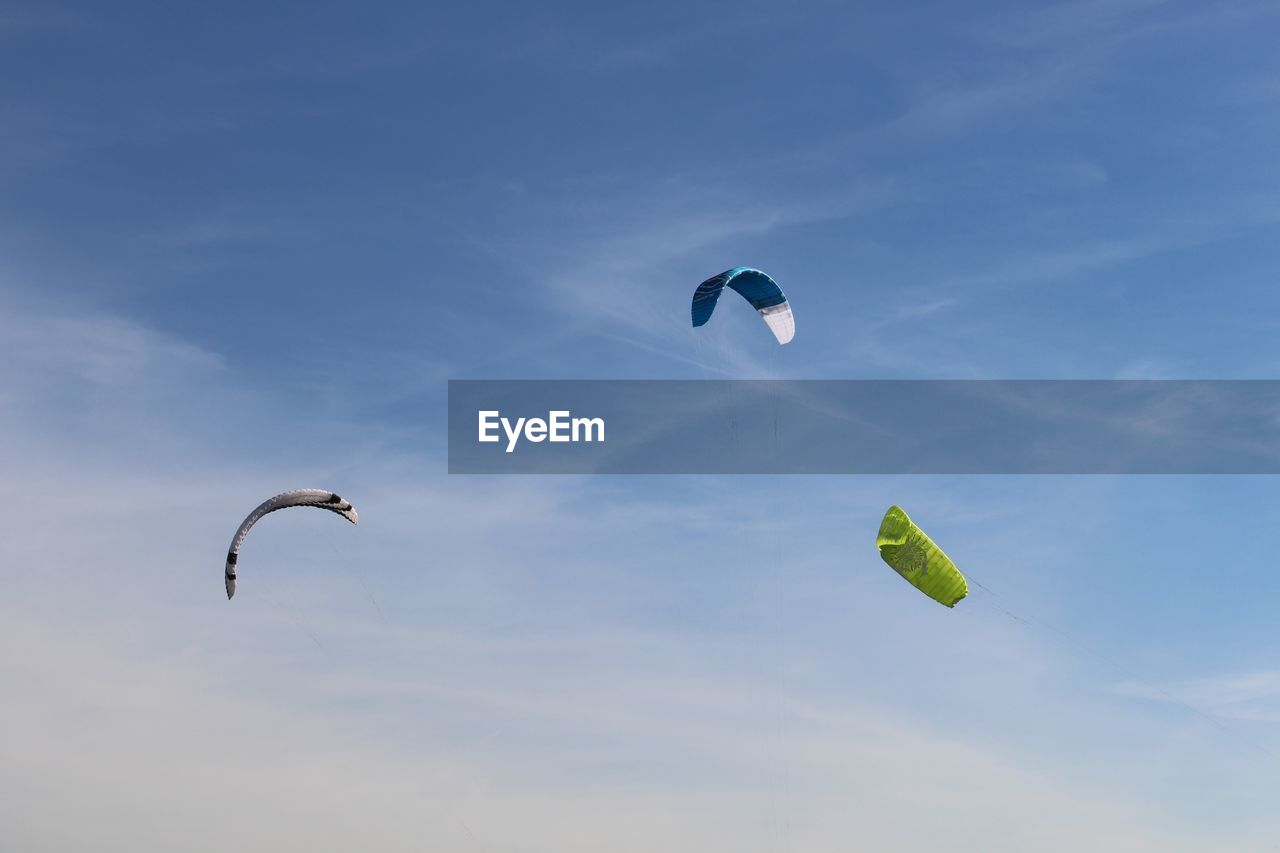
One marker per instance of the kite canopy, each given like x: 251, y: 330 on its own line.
x: 318, y: 498
x: 913, y: 555
x: 757, y: 288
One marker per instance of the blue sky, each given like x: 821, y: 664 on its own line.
x: 242, y: 249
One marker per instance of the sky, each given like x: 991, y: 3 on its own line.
x: 243, y: 247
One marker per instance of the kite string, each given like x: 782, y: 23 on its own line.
x: 715, y: 358
x: 1000, y: 605
x: 358, y: 574
x: 279, y: 603
x: 779, y: 550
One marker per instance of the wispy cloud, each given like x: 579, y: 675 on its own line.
x: 1249, y: 696
x: 624, y: 264
x: 512, y: 675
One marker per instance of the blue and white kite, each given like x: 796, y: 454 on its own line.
x: 757, y: 288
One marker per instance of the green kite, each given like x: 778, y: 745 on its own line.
x: 913, y: 555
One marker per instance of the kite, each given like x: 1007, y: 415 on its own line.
x: 757, y: 288
x: 299, y: 497
x: 912, y: 554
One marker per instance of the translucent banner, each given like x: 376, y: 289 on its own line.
x: 864, y: 427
